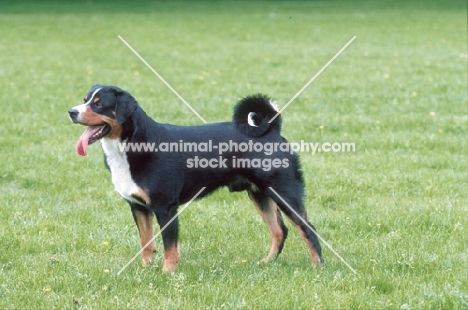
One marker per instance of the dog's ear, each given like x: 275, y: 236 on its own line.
x: 125, y: 105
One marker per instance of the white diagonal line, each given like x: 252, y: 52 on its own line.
x: 314, y: 231
x: 313, y: 78
x: 160, y: 231
x: 161, y: 78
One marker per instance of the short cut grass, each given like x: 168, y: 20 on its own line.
x: 395, y: 209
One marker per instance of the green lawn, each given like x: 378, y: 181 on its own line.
x: 396, y: 209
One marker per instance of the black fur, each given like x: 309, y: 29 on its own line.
x: 126, y: 105
x: 263, y: 112
x: 170, y: 182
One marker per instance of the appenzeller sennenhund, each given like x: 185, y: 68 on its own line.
x: 159, y: 181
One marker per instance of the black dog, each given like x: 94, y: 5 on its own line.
x: 187, y: 158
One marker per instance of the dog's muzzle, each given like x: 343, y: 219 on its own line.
x: 73, y: 114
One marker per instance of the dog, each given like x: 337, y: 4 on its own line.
x: 158, y: 181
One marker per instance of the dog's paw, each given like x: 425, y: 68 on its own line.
x: 266, y: 260
x: 147, y: 262
x: 169, y: 268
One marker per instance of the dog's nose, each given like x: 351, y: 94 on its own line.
x: 73, y: 113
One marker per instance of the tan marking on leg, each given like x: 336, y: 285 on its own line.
x: 270, y: 217
x: 145, y: 227
x: 171, y: 258
x: 142, y: 195
x: 316, y: 261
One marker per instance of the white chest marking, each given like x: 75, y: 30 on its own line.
x: 120, y: 170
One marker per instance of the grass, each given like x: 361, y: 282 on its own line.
x: 396, y: 209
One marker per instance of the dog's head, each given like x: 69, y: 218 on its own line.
x: 104, y: 110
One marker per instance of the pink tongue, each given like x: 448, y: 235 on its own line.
x: 82, y: 143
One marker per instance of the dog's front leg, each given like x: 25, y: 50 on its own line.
x: 169, y: 224
x: 144, y: 220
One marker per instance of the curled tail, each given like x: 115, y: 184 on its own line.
x: 252, y: 115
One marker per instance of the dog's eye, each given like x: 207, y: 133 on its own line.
x: 84, y: 99
x: 97, y: 102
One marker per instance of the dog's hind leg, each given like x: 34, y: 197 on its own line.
x: 302, y: 224
x: 144, y: 221
x: 271, y: 215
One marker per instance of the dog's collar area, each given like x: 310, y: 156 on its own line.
x: 133, y: 112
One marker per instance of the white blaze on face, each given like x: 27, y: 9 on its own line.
x: 92, y: 96
x: 83, y: 142
x: 82, y: 107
